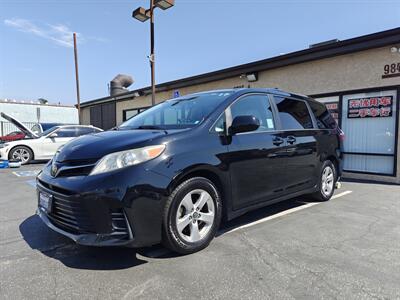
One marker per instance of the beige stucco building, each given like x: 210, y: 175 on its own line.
x: 336, y: 73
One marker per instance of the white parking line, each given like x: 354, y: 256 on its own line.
x: 286, y: 212
x: 31, y: 173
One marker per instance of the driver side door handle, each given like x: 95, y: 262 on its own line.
x: 277, y: 141
x: 291, y: 139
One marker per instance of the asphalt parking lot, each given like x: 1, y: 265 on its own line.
x: 347, y: 248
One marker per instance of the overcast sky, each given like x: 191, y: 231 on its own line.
x: 195, y: 36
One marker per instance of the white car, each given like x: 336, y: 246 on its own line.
x: 41, y: 146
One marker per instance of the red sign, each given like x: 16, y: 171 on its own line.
x: 372, y: 107
x: 333, y: 108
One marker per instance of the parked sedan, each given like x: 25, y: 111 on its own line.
x: 12, y: 136
x: 172, y: 173
x: 41, y: 146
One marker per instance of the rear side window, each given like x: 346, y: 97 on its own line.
x: 293, y: 114
x: 84, y: 130
x: 322, y: 115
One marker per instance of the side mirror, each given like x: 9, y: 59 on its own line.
x: 244, y: 124
x: 53, y: 135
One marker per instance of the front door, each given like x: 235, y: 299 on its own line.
x: 257, y: 158
x: 57, y: 139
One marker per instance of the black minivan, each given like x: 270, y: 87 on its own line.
x: 173, y: 172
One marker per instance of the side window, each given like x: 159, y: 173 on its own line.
x: 83, y: 130
x: 220, y: 125
x: 66, y: 132
x: 293, y: 114
x: 321, y: 113
x: 257, y: 106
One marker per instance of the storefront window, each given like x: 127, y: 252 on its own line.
x: 369, y: 123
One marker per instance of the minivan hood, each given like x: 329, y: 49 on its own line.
x: 92, y: 147
x: 19, y: 125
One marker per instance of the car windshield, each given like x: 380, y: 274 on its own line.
x: 178, y: 113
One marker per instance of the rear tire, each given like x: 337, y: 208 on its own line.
x: 326, y: 182
x: 191, y: 216
x: 22, y: 153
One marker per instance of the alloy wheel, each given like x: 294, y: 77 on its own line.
x: 327, y: 181
x: 21, y: 154
x: 195, y: 216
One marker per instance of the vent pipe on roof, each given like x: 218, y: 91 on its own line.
x: 119, y: 84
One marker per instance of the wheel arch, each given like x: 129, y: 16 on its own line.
x: 209, y: 173
x: 335, y: 162
x: 21, y: 145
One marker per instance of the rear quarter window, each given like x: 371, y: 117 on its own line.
x: 322, y: 115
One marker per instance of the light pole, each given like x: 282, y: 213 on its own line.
x: 143, y: 15
x: 78, y: 97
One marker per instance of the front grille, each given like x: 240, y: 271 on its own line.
x: 70, y: 215
x: 78, y: 215
x: 119, y: 224
x: 75, y: 171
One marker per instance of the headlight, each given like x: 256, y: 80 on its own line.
x: 127, y: 158
x: 3, y: 145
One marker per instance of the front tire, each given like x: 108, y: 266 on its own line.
x: 327, y: 181
x: 22, y: 153
x: 192, y: 216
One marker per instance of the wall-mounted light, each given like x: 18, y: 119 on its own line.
x: 251, y: 77
x: 394, y: 49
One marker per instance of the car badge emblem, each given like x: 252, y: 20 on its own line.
x: 53, y: 169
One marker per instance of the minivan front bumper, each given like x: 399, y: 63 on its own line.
x: 107, y: 209
x: 88, y: 239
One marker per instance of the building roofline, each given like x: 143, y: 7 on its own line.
x: 361, y: 43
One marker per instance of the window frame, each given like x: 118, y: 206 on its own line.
x: 315, y: 119
x: 310, y: 112
x: 228, y: 115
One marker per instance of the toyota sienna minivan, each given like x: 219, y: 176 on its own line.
x: 173, y: 172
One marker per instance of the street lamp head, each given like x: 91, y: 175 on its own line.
x: 140, y: 14
x: 164, y: 4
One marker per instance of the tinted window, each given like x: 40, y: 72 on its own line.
x: 293, y: 113
x: 257, y: 106
x: 67, y: 132
x: 84, y: 130
x: 322, y: 115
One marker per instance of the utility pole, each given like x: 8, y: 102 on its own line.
x: 78, y: 97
